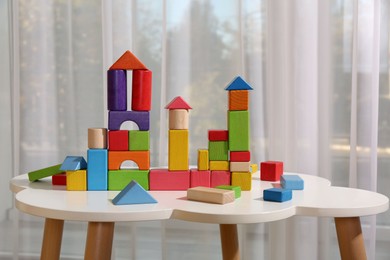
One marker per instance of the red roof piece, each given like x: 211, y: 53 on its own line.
x: 128, y: 61
x: 178, y: 103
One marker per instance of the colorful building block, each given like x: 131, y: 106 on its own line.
x: 97, y: 138
x: 141, y: 97
x: 218, y: 150
x: 292, y: 182
x: 133, y: 193
x: 238, y: 125
x: 210, y: 195
x: 240, y: 166
x: 76, y: 180
x: 236, y: 189
x: 73, y: 163
x: 116, y: 118
x: 178, y: 119
x: 277, y: 195
x: 203, y: 160
x: 219, y: 165
x: 178, y: 150
x: 162, y: 179
x: 199, y: 178
x: 218, y: 135
x: 128, y: 61
x: 238, y: 100
x: 59, y: 179
x: 116, y: 158
x: 271, y: 170
x: 139, y: 140
x: 242, y: 179
x: 220, y: 178
x: 116, y: 90
x: 118, y: 140
x: 117, y: 180
x: 238, y: 84
x: 97, y: 169
x: 243, y: 156
x: 178, y: 103
x: 45, y: 172
x: 254, y: 167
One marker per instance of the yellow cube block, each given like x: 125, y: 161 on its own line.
x: 242, y: 179
x: 203, y: 160
x: 254, y: 168
x: 76, y: 180
x: 178, y: 150
x: 219, y: 165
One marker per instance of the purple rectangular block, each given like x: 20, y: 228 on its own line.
x: 116, y: 118
x: 116, y: 90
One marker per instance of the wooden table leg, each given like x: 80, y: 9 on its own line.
x: 99, y: 240
x: 52, y: 237
x: 350, y: 237
x: 229, y: 242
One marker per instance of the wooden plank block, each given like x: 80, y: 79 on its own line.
x: 218, y: 135
x: 220, y: 178
x: 218, y: 150
x: 97, y: 169
x: 240, y: 166
x: 236, y: 189
x: 178, y: 150
x: 199, y: 178
x: 73, y: 163
x: 76, y: 180
x: 133, y: 193
x: 162, y: 179
x: 116, y: 118
x: 128, y: 61
x: 277, y: 195
x: 242, y: 156
x: 219, y: 165
x: 203, y: 160
x: 242, y: 179
x: 292, y: 182
x: 238, y: 100
x: 238, y: 125
x: 139, y: 140
x: 118, y: 140
x: 178, y: 119
x: 141, y: 97
x: 116, y: 158
x: 45, y: 172
x: 210, y: 195
x: 271, y: 170
x: 59, y: 179
x: 118, y: 179
x: 97, y: 138
x: 116, y: 90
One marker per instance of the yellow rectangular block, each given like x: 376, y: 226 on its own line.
x: 242, y: 179
x: 254, y: 168
x: 178, y: 150
x: 240, y: 166
x: 203, y: 160
x: 219, y: 165
x: 76, y: 180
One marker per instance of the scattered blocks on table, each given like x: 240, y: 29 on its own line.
x: 218, y: 135
x: 242, y: 179
x: 238, y: 100
x: 139, y: 140
x: 203, y: 160
x: 219, y: 165
x: 271, y: 170
x: 116, y: 90
x: 254, y: 168
x: 210, y: 195
x: 218, y: 178
x: 178, y: 119
x: 238, y: 122
x: 73, y: 163
x: 116, y: 118
x: 236, y: 189
x: 141, y: 97
x: 97, y: 169
x: 292, y: 182
x: 178, y: 150
x: 133, y: 193
x: 116, y: 158
x: 128, y: 61
x: 59, y: 179
x: 218, y: 150
x: 199, y: 178
x: 240, y: 156
x: 162, y: 179
x: 117, y: 180
x: 277, y: 195
x: 118, y: 140
x: 45, y: 172
x: 97, y: 138
x: 240, y: 166
x: 76, y: 180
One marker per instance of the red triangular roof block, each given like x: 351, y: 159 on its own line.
x: 128, y: 61
x: 178, y: 103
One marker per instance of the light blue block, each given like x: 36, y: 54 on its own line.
x: 238, y: 84
x: 133, y: 193
x: 277, y: 195
x: 73, y: 163
x: 97, y: 169
x: 292, y: 182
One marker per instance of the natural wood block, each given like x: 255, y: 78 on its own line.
x: 242, y: 179
x: 243, y: 156
x: 118, y: 140
x: 128, y: 61
x: 218, y: 150
x: 199, y: 178
x: 119, y: 179
x: 238, y: 100
x: 141, y: 97
x: 210, y: 195
x: 240, y: 166
x: 219, y: 165
x: 139, y: 140
x: 220, y: 178
x: 203, y: 160
x: 162, y: 179
x: 116, y: 158
x: 97, y: 138
x: 178, y: 119
x: 76, y: 180
x: 238, y: 122
x: 218, y: 135
x: 178, y: 150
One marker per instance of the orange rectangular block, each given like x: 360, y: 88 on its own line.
x: 238, y: 100
x: 116, y: 158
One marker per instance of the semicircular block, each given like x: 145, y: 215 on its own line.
x: 116, y: 158
x: 116, y: 118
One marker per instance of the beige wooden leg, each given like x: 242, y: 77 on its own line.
x: 52, y: 237
x: 350, y: 237
x: 229, y: 242
x: 99, y: 240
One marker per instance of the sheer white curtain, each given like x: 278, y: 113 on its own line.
x: 320, y: 75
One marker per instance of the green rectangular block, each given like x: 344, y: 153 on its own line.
x: 218, y: 150
x: 45, y: 172
x: 236, y: 189
x: 118, y: 180
x: 238, y: 126
x: 139, y: 140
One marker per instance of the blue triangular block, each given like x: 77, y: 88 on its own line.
x: 133, y: 193
x: 238, y: 84
x: 73, y: 163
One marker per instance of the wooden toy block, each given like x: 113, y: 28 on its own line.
x: 210, y: 195
x: 254, y: 168
x: 116, y: 158
x: 141, y: 97
x: 139, y: 140
x: 238, y: 124
x: 178, y: 119
x: 240, y: 166
x: 199, y: 178
x: 178, y: 150
x: 271, y: 171
x: 97, y: 169
x: 238, y: 100
x: 242, y: 179
x: 73, y: 163
x: 244, y: 156
x: 76, y: 180
x: 178, y: 103
x: 218, y: 150
x: 238, y: 84
x: 219, y: 165
x: 218, y: 135
x: 59, y: 179
x: 203, y: 160
x: 116, y: 118
x: 220, y: 178
x: 128, y: 61
x: 116, y: 90
x: 118, y: 140
x: 45, y: 172
x: 162, y: 179
x: 277, y: 195
x: 97, y: 138
x: 133, y: 193
x: 236, y: 189
x: 117, y: 180
x: 292, y: 182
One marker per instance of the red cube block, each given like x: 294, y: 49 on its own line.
x: 199, y: 178
x: 244, y: 156
x: 118, y: 140
x: 220, y: 178
x: 59, y: 179
x: 271, y: 171
x: 218, y: 135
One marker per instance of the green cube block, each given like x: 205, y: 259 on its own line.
x: 236, y: 189
x: 45, y: 172
x: 118, y: 180
x: 139, y: 140
x: 218, y: 150
x: 238, y: 126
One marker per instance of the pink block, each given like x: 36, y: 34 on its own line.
x: 220, y: 178
x: 200, y: 178
x: 162, y: 179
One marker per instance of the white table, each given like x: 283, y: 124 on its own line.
x: 318, y: 199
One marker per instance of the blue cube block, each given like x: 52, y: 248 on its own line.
x: 292, y: 182
x: 97, y: 172
x: 277, y: 194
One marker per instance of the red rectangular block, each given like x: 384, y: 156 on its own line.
x: 220, y: 178
x: 244, y: 156
x: 271, y: 171
x: 218, y: 135
x: 162, y: 179
x: 199, y: 178
x: 118, y: 140
x: 59, y: 179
